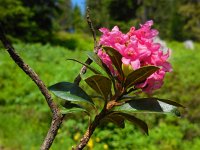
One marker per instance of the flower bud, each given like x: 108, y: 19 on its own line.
x: 127, y: 69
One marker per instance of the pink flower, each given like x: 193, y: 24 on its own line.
x: 106, y: 60
x: 138, y: 49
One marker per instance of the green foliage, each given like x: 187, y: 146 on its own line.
x: 115, y: 110
x: 135, y: 121
x: 11, y: 9
x: 72, y: 41
x: 94, y: 70
x: 164, y: 13
x: 116, y: 119
x: 41, y: 58
x: 99, y: 11
x: 186, y: 85
x: 15, y: 17
x: 78, y: 22
x: 42, y: 21
x: 190, y: 12
x: 174, y: 19
x: 160, y: 138
x: 69, y: 107
x: 25, y: 113
x: 139, y: 75
x: 63, y: 19
x: 115, y: 57
x: 70, y: 92
x: 28, y: 20
x: 149, y: 105
x: 23, y: 126
x: 101, y: 84
x: 94, y: 57
x: 125, y: 13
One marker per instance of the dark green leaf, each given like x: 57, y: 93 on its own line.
x: 149, y: 105
x: 70, y: 92
x: 96, y: 96
x: 140, y: 75
x: 116, y: 119
x: 168, y: 102
x: 69, y: 105
x: 135, y: 121
x: 71, y: 111
x: 72, y: 108
x: 88, y: 66
x: 115, y: 57
x: 95, y: 58
x: 100, y: 84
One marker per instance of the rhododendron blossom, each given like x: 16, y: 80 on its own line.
x: 138, y: 49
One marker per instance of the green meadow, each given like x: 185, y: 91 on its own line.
x: 25, y: 117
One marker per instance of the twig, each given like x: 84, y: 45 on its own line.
x: 98, y: 118
x: 57, y: 116
x: 84, y: 140
x: 55, y: 125
x: 78, y: 78
x: 96, y: 47
x: 86, y: 137
x: 92, y: 30
x: 52, y: 132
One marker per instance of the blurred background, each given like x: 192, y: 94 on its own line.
x: 46, y: 32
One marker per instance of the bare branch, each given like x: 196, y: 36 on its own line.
x: 57, y: 116
x: 84, y: 140
x: 86, y: 137
x: 96, y: 47
x: 92, y: 30
x: 55, y: 125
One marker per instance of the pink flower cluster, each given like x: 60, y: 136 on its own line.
x: 138, y: 49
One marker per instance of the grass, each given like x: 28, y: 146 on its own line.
x: 20, y: 100
x: 25, y: 117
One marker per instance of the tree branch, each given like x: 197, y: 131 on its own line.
x: 84, y: 140
x: 55, y: 125
x: 96, y: 47
x: 86, y: 137
x: 57, y: 116
x: 92, y: 30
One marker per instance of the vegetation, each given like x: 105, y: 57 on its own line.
x: 41, y: 33
x: 23, y: 111
x: 174, y: 19
x: 39, y: 20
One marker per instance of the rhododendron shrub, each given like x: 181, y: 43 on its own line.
x: 130, y: 63
x: 138, y: 49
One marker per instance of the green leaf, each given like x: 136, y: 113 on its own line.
x: 135, y: 121
x: 149, y: 105
x: 88, y: 66
x: 140, y: 75
x: 100, y: 84
x: 95, y: 58
x: 72, y: 108
x: 69, y: 105
x: 70, y: 92
x: 115, y: 57
x: 71, y: 111
x: 116, y: 119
